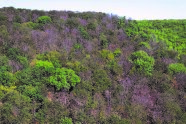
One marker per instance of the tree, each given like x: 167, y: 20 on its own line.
x: 44, y: 19
x: 142, y: 62
x: 64, y: 78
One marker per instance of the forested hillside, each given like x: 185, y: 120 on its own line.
x: 63, y: 67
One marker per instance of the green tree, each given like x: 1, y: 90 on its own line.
x: 142, y: 62
x: 64, y: 78
x: 177, y: 68
x: 66, y: 120
x: 44, y: 19
x: 101, y: 80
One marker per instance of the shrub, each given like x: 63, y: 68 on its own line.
x: 142, y: 62
x: 177, y: 68
x: 44, y: 19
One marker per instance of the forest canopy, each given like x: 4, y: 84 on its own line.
x: 67, y: 67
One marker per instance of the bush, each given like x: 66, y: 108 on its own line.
x: 142, y: 62
x: 44, y: 19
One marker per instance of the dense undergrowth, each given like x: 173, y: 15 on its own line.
x: 83, y: 68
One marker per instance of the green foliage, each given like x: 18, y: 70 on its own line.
x: 91, y: 26
x: 7, y: 89
x: 78, y: 46
x: 115, y: 119
x: 106, y: 54
x: 4, y: 32
x: 113, y: 67
x: 24, y: 77
x: 76, y: 66
x: 4, y: 64
x: 66, y: 120
x: 142, y: 62
x: 64, y: 78
x: 13, y: 53
x: 83, y: 32
x: 144, y: 44
x: 3, y: 17
x: 44, y: 19
x: 30, y: 25
x: 117, y: 52
x: 23, y: 61
x: 177, y: 68
x: 17, y: 19
x: 47, y: 66
x: 7, y: 78
x: 16, y: 108
x: 31, y: 91
x: 71, y: 23
x: 101, y: 80
x: 52, y: 56
x: 103, y: 40
x: 121, y: 23
x: 171, y: 32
